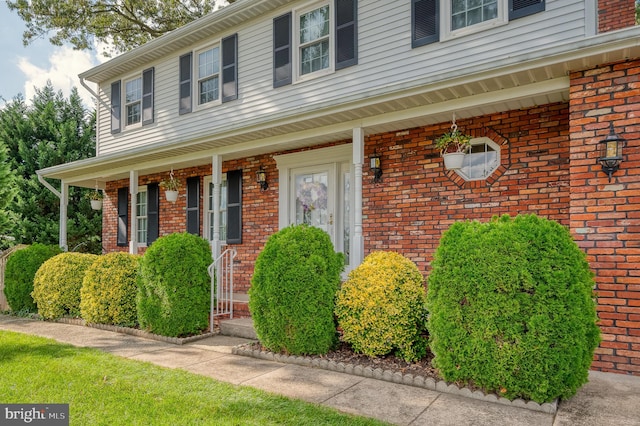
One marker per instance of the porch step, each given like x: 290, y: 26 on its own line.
x: 238, y: 327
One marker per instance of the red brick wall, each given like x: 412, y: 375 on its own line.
x: 615, y: 15
x: 605, y: 216
x: 417, y: 199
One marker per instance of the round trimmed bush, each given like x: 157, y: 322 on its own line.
x: 56, y: 285
x: 293, y: 289
x: 21, y: 268
x: 512, y: 309
x: 381, y: 307
x: 174, y: 287
x: 109, y: 290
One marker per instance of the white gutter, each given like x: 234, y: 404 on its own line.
x: 48, y: 186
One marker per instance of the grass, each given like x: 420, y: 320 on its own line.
x: 102, y: 389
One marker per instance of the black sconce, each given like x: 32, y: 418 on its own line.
x: 261, y: 178
x: 611, y: 152
x: 376, y: 167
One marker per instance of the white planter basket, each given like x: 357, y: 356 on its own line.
x: 96, y: 204
x: 453, y: 160
x: 172, y: 196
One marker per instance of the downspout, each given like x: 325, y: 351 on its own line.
x: 63, y: 195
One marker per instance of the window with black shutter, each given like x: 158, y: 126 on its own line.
x: 234, y: 207
x: 147, y: 96
x: 230, y: 68
x: 425, y: 26
x: 521, y: 8
x: 123, y: 217
x: 185, y: 83
x: 115, y: 107
x: 193, y: 205
x: 282, y: 71
x: 346, y: 33
x: 153, y: 212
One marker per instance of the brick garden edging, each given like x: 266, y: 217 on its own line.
x: 396, y: 377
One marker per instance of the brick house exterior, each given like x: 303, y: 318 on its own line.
x: 548, y: 166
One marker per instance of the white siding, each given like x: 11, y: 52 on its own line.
x: 385, y: 61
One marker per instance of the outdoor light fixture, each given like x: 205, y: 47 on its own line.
x: 611, y: 152
x: 261, y: 177
x: 376, y: 167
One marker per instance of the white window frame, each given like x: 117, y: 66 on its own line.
x: 446, y: 33
x: 196, y: 75
x: 207, y: 219
x: 125, y: 104
x: 475, y: 142
x: 296, y: 46
x: 142, y: 236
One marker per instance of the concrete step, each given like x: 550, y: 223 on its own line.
x: 238, y: 327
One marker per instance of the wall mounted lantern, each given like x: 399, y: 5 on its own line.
x: 611, y: 152
x: 376, y: 167
x: 261, y: 178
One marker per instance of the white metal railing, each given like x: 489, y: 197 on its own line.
x: 221, y: 272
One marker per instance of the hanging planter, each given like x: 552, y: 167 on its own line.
x: 95, y: 198
x: 171, y: 187
x: 453, y: 146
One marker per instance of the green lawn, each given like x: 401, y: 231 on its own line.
x: 102, y: 389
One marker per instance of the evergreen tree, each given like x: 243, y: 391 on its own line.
x: 7, y: 194
x: 51, y: 131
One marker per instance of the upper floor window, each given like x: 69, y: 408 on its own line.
x: 314, y: 41
x: 482, y: 161
x: 434, y: 20
x: 215, y: 77
x: 132, y: 102
x: 208, y: 75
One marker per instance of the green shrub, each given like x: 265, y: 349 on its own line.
x: 174, y: 287
x: 56, y: 286
x: 109, y: 290
x: 381, y: 307
x: 21, y: 268
x: 293, y: 289
x: 511, y: 308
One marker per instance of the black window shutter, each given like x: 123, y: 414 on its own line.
x: 234, y: 207
x: 123, y: 217
x: 230, y: 68
x: 147, y: 96
x: 520, y: 8
x: 185, y: 83
x: 282, y: 71
x: 193, y: 205
x: 425, y: 22
x: 115, y: 107
x: 153, y: 212
x: 346, y: 33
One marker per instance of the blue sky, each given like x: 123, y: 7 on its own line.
x: 23, y: 68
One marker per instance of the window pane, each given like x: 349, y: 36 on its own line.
x: 209, y: 89
x: 481, y: 162
x: 470, y: 12
x: 141, y: 216
x: 311, y: 199
x: 133, y: 90
x: 314, y: 57
x: 208, y: 62
x: 133, y: 113
x: 314, y: 25
x: 223, y: 211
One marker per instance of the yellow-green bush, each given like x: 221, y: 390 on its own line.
x: 57, y: 283
x: 381, y: 307
x: 109, y: 290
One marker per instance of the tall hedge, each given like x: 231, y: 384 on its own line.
x: 57, y: 283
x: 381, y: 307
x: 174, y: 287
x: 293, y: 289
x: 512, y: 308
x: 109, y: 290
x: 21, y: 268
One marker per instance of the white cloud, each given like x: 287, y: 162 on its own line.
x: 64, y: 65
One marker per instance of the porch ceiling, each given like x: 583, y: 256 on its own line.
x: 517, y: 83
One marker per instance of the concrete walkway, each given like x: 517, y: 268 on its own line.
x: 608, y: 399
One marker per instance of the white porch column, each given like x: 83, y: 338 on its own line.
x: 216, y: 179
x: 358, y: 161
x: 64, y: 202
x: 133, y: 190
